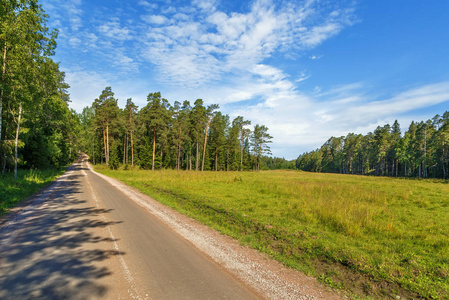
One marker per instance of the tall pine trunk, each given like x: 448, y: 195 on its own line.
x: 132, y: 149
x: 197, y: 157
x: 444, y: 168
x: 127, y: 148
x: 190, y: 158
x: 124, y: 150
x: 154, y: 149
x: 397, y: 167
x: 178, y: 155
x: 104, y: 145
x: 162, y: 153
x: 107, y: 141
x: 131, y: 136
x: 93, y: 148
x: 205, y: 144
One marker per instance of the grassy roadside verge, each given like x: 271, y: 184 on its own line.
x: 28, y: 182
x: 374, y: 237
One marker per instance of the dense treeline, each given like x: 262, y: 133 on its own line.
x: 178, y: 136
x: 277, y: 163
x: 37, y: 129
x: 422, y: 151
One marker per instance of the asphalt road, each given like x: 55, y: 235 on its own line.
x: 83, y: 239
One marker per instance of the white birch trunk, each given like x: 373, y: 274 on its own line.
x: 17, y: 140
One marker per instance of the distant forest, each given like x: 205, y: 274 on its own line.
x: 178, y: 136
x: 422, y: 152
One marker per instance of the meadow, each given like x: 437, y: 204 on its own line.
x: 28, y: 182
x: 371, y: 237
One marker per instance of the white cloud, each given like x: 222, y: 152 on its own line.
x: 268, y: 72
x: 413, y: 99
x: 69, y: 10
x: 113, y: 31
x: 315, y: 57
x: 147, y: 4
x: 155, y: 19
x: 85, y: 86
x: 302, y: 77
x: 91, y: 39
x: 74, y: 41
x: 205, y: 5
x: 316, y: 35
x: 181, y: 17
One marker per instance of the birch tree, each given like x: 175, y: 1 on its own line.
x: 26, y: 43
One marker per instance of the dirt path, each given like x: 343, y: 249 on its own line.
x: 89, y: 236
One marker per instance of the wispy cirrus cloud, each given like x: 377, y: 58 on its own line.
x: 70, y: 11
x: 113, y: 30
x: 198, y: 44
x: 209, y: 44
x: 403, y: 102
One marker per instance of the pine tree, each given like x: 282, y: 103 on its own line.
x: 260, y: 140
x: 106, y: 115
x: 218, y: 140
x: 156, y: 116
x: 198, y: 119
x: 130, y: 112
x: 209, y: 115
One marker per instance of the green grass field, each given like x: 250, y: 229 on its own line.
x: 28, y: 182
x: 373, y: 237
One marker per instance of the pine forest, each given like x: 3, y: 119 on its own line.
x: 422, y: 151
x: 179, y: 136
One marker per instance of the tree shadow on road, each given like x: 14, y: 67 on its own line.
x: 52, y: 249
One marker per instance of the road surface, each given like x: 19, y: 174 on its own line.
x: 85, y: 239
x: 88, y: 236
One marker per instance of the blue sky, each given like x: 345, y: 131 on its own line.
x: 308, y: 70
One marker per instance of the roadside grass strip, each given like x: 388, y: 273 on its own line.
x: 28, y: 182
x: 372, y: 237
